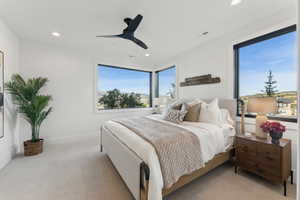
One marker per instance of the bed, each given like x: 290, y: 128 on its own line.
x: 138, y: 164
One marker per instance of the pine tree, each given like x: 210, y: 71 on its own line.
x: 270, y: 87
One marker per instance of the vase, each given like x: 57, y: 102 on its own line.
x: 275, y: 137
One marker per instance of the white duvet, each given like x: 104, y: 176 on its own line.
x: 213, y: 139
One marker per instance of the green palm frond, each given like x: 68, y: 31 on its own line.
x: 33, y: 106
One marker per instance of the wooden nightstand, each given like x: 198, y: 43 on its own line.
x: 272, y: 162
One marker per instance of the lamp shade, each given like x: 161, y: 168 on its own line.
x: 263, y: 105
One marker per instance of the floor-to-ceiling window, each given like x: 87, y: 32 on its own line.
x: 166, y: 83
x: 267, y: 66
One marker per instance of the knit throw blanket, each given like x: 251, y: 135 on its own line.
x: 178, y: 149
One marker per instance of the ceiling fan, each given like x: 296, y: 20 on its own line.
x: 128, y: 32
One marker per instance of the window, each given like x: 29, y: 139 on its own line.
x: 119, y: 88
x: 166, y: 83
x: 267, y: 66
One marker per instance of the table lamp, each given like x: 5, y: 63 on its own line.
x: 261, y: 106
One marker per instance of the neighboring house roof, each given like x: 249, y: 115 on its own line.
x: 284, y: 100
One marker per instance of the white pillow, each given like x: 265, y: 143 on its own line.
x: 225, y: 117
x: 210, y: 113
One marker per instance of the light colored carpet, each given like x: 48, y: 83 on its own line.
x: 76, y: 170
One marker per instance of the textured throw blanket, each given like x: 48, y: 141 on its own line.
x: 178, y: 149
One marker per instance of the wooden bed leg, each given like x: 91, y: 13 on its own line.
x: 144, y: 180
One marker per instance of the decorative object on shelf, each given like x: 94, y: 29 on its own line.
x: 275, y: 129
x: 1, y: 94
x: 200, y: 80
x: 242, y: 124
x: 33, y: 106
x: 261, y: 106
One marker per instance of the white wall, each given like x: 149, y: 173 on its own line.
x: 216, y: 57
x: 71, y: 75
x: 210, y: 58
x: 9, y: 44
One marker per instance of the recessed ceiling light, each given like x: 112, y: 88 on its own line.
x: 147, y: 54
x: 55, y: 34
x: 235, y: 2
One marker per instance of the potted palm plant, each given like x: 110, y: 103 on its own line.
x: 33, y: 106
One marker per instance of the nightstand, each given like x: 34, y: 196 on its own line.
x: 261, y: 157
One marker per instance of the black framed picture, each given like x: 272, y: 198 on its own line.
x: 1, y: 94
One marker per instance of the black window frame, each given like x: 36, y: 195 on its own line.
x: 258, y: 39
x: 157, y: 79
x: 131, y: 69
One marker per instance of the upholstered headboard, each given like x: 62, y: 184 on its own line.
x: 229, y: 104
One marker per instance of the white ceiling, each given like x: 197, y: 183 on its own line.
x: 169, y: 27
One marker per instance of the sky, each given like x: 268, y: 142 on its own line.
x: 132, y: 81
x: 126, y: 81
x: 277, y: 54
x: 166, y: 78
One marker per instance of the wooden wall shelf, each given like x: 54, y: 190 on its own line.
x: 200, y: 80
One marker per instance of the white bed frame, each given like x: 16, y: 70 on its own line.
x: 132, y: 168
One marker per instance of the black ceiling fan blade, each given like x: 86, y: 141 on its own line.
x: 133, y: 24
x: 140, y: 43
x: 108, y: 36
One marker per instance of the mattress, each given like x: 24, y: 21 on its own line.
x: 214, y: 139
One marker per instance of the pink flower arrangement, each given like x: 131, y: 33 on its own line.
x: 274, y: 127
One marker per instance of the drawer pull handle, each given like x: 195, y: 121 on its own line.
x: 245, y: 149
x: 260, y: 170
x: 269, y: 158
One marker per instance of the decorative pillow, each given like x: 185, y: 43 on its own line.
x: 193, y: 112
x: 210, y: 113
x: 177, y: 106
x: 225, y: 117
x: 175, y: 116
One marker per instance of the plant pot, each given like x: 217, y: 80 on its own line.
x: 33, y: 148
x: 275, y: 137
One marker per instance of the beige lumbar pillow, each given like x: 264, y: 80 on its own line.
x: 210, y: 113
x: 193, y: 111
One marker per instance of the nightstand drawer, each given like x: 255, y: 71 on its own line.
x: 246, y: 147
x: 269, y: 155
x: 268, y: 173
x: 247, y: 164
x: 269, y: 150
x: 270, y: 161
